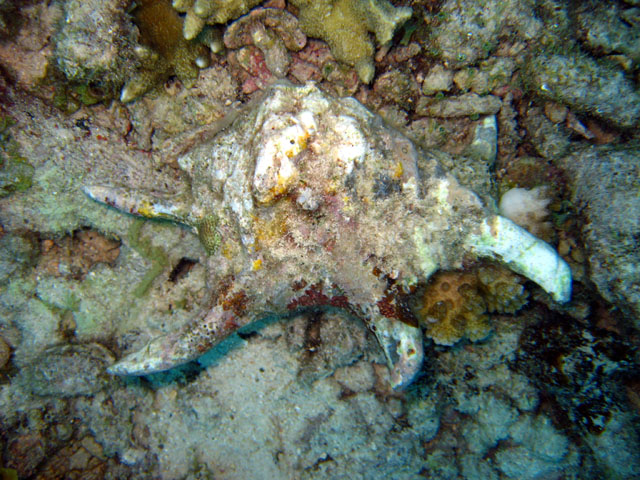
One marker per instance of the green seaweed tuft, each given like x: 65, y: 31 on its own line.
x: 8, y: 474
x: 16, y: 173
x: 144, y: 247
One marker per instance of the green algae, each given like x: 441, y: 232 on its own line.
x: 144, y: 247
x: 16, y: 173
x: 8, y: 474
x: 69, y: 98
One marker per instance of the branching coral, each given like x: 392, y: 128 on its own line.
x: 455, y: 304
x: 165, y: 51
x: 345, y: 26
x: 210, y: 12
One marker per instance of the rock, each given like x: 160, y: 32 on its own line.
x: 489, y: 75
x: 331, y: 343
x: 461, y: 106
x: 586, y: 85
x: 438, y: 79
x: 581, y: 369
x: 615, y: 449
x: 17, y: 253
x: 606, y: 189
x: 550, y: 140
x: 25, y: 51
x: 8, y: 12
x: 465, y: 31
x: 396, y: 86
x: 25, y: 453
x: 68, y: 370
x: 96, y: 42
x: 539, y: 450
x: 608, y: 28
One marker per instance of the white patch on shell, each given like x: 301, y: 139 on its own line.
x: 315, y: 102
x: 352, y: 147
x: 285, y: 137
x: 307, y: 200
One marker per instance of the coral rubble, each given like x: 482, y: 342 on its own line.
x: 273, y: 31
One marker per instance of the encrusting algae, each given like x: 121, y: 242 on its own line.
x: 15, y: 171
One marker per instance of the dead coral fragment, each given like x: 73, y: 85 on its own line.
x: 164, y: 51
x: 210, y: 12
x: 345, y: 26
x: 273, y: 31
x: 455, y: 304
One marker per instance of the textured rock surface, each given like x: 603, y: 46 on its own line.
x: 608, y: 29
x: 466, y: 31
x: 584, y: 370
x: 49, y: 373
x: 606, y: 188
x: 585, y: 84
x: 95, y: 43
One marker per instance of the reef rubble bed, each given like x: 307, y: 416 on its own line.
x: 519, y: 100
